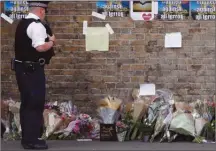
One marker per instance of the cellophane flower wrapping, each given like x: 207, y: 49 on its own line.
x: 183, y: 123
x: 121, y: 130
x: 159, y: 109
x: 95, y: 131
x: 108, y: 110
x: 10, y: 118
x: 85, y: 125
x: 57, y: 118
x: 139, y: 110
x: 52, y: 122
x: 14, y: 108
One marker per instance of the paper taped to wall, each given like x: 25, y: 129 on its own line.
x: 101, y: 16
x: 97, y: 38
x: 85, y: 26
x: 173, y: 40
x: 109, y: 28
x: 147, y: 89
x: 8, y: 19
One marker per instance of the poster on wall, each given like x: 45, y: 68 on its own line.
x: 173, y: 10
x: 113, y: 8
x: 16, y: 9
x: 203, y: 10
x: 142, y: 10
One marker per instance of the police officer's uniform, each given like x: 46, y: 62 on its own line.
x: 29, y: 68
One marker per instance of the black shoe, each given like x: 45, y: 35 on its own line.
x: 43, y: 142
x: 37, y: 146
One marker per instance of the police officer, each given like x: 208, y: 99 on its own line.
x: 33, y: 49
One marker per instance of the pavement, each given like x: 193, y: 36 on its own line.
x: 69, y: 145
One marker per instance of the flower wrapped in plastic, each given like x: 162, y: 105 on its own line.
x: 108, y: 109
x: 95, y: 132
x: 10, y: 119
x: 160, y: 124
x: 68, y: 108
x: 85, y: 125
x: 162, y: 97
x: 145, y: 129
x: 121, y: 130
x: 55, y: 122
x: 182, y: 123
x: 159, y: 109
x: 14, y: 108
x: 138, y: 111
x: 72, y: 129
x: 52, y: 122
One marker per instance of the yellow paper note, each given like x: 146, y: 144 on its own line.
x: 97, y: 38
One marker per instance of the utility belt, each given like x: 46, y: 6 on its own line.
x: 30, y: 66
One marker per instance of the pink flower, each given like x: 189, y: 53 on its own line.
x: 76, y: 128
x: 120, y: 124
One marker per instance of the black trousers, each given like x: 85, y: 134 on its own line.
x: 3, y: 129
x: 32, y: 93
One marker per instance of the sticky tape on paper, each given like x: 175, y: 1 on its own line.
x: 85, y: 26
x: 8, y: 19
x: 101, y: 16
x: 109, y: 28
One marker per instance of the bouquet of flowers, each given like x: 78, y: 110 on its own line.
x: 108, y: 109
x: 139, y: 109
x: 85, y: 125
x: 211, y: 107
x: 121, y: 129
x: 79, y: 127
x: 146, y: 127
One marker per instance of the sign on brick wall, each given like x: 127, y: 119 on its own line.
x: 203, y: 10
x: 16, y: 9
x: 142, y: 10
x: 113, y: 8
x: 173, y: 10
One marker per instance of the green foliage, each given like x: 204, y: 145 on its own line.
x: 198, y: 139
x: 128, y: 118
x: 208, y: 131
x: 145, y: 127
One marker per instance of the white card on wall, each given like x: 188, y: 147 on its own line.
x: 143, y: 10
x: 147, y: 89
x: 173, y: 40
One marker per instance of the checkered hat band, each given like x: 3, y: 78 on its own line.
x: 37, y: 5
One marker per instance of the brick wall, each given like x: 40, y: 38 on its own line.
x: 136, y: 55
